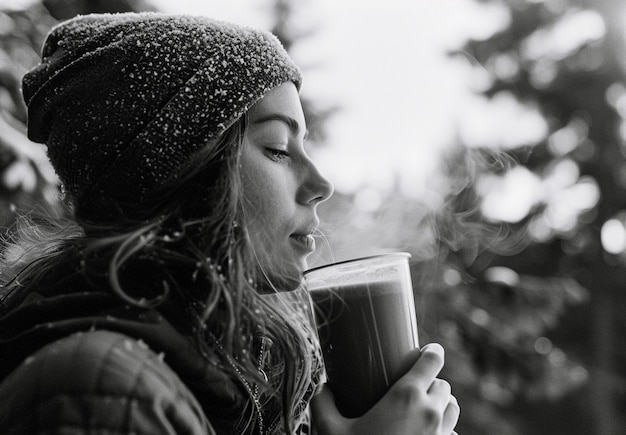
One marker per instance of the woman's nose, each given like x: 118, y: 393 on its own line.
x: 315, y: 187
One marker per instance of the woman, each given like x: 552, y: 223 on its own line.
x: 170, y: 302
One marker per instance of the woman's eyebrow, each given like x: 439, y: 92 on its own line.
x: 292, y: 124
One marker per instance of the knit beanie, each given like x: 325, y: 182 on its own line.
x: 127, y: 102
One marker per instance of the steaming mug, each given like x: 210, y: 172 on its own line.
x: 365, y: 315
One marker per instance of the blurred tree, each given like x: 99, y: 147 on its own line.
x: 27, y: 181
x: 552, y: 98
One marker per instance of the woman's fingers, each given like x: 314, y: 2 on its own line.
x: 450, y: 416
x: 427, y: 367
x: 419, y: 401
x: 424, y: 376
x: 441, y: 392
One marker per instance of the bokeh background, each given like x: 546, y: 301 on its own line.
x: 486, y: 138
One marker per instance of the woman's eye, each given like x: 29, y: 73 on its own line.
x: 277, y: 154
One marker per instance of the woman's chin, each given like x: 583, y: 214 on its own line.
x: 279, y: 270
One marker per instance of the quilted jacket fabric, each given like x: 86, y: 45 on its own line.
x: 98, y: 382
x: 83, y: 362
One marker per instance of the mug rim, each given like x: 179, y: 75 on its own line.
x: 367, y: 257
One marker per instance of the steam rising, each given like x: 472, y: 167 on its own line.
x: 449, y: 217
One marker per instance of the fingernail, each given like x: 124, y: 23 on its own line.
x: 435, y: 348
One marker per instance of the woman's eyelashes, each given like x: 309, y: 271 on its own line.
x: 277, y: 154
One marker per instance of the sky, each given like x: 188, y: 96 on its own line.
x: 383, y: 63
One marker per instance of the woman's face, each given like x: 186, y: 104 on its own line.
x: 281, y: 187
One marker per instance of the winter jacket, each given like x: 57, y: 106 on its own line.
x: 84, y: 362
x: 98, y: 382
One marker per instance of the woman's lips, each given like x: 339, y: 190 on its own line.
x: 307, y: 241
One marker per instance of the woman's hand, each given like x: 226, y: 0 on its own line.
x: 418, y: 403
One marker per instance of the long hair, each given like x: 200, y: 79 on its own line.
x: 191, y: 248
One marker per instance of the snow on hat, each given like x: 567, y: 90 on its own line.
x: 125, y: 101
